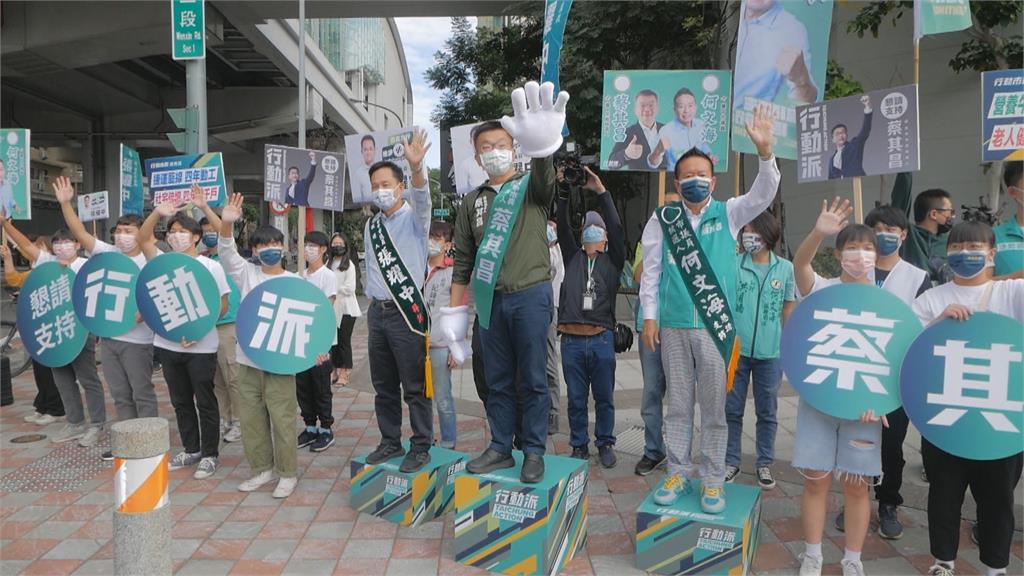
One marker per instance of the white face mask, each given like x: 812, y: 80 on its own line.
x: 312, y: 254
x: 434, y: 248
x: 180, y: 241
x: 125, y: 242
x: 857, y: 263
x: 496, y: 162
x: 384, y: 198
x: 65, y: 251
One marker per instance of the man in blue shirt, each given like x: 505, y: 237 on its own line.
x: 682, y: 134
x: 772, y: 49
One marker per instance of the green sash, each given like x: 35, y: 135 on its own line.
x: 396, y: 276
x: 701, y: 283
x: 491, y: 252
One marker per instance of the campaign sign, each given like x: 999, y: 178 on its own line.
x: 171, y: 178
x: 1002, y: 115
x: 131, y: 182
x: 15, y: 189
x: 52, y: 334
x: 104, y: 294
x: 842, y: 348
x: 93, y: 206
x: 363, y: 150
x: 300, y: 177
x: 284, y: 323
x: 961, y: 385
x: 177, y: 297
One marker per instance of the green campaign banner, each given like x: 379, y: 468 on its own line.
x: 132, y: 200
x: 650, y: 118
x: 939, y: 16
x: 15, y: 196
x: 51, y: 332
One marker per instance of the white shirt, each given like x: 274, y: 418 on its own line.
x: 557, y: 271
x: 325, y: 280
x: 651, y: 134
x: 837, y: 160
x: 1007, y: 299
x: 45, y: 257
x: 739, y: 210
x: 207, y: 344
x: 141, y: 334
x: 346, y: 303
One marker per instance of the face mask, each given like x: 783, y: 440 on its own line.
x: 695, y: 189
x: 593, y: 234
x: 552, y: 235
x: 180, y: 241
x: 433, y: 249
x: 125, y: 242
x: 384, y: 198
x: 887, y: 242
x: 496, y: 162
x: 339, y: 250
x: 857, y: 263
x: 209, y: 239
x: 968, y: 263
x: 752, y: 243
x: 65, y: 251
x: 312, y: 253
x: 945, y: 228
x: 269, y: 256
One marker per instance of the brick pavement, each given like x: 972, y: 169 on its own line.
x: 56, y: 507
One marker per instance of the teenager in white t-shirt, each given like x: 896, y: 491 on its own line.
x: 189, y: 367
x: 971, y: 253
x: 82, y: 370
x: 313, y: 386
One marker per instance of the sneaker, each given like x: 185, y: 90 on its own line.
x: 606, y: 454
x: 580, y: 452
x: 765, y: 479
x: 69, y: 432
x: 33, y: 418
x: 889, y: 526
x: 810, y: 565
x: 207, y: 467
x: 183, y: 459
x: 671, y: 487
x: 254, y: 483
x: 46, y: 419
x: 323, y: 441
x: 285, y: 487
x: 107, y: 456
x: 234, y: 433
x: 731, y: 472
x: 414, y: 460
x: 385, y: 451
x: 552, y: 424
x: 647, y: 465
x: 307, y: 438
x: 852, y: 567
x: 974, y: 533
x: 941, y: 569
x: 712, y: 500
x: 91, y: 437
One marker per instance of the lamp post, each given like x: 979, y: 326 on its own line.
x: 375, y: 105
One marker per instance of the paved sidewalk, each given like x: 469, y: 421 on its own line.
x: 56, y: 504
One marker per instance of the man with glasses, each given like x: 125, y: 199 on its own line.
x: 925, y: 246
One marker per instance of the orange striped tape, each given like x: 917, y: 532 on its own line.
x: 140, y: 484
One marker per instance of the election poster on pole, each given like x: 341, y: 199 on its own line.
x: 171, y: 178
x: 94, y: 206
x: 299, y: 177
x: 363, y: 150
x: 46, y: 319
x: 781, y: 60
x: 650, y: 118
x: 468, y: 172
x: 15, y: 192
x: 132, y: 201
x: 1002, y: 115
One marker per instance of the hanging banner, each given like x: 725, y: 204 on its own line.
x: 15, y: 182
x: 939, y: 16
x: 177, y: 297
x: 363, y: 150
x: 104, y: 294
x: 556, y: 14
x: 132, y: 200
x: 49, y: 329
x: 299, y: 177
x: 468, y: 172
x: 961, y: 384
x: 1002, y: 115
x: 842, y: 349
x: 93, y: 206
x: 171, y: 178
x: 781, y: 59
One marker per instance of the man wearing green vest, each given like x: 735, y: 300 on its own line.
x: 501, y: 248
x: 687, y: 288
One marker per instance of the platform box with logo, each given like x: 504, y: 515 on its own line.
x: 681, y: 539
x: 503, y: 525
x: 406, y: 499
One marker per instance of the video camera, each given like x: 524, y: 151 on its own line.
x: 979, y: 213
x: 568, y: 160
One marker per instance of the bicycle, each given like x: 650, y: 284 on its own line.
x: 12, y: 348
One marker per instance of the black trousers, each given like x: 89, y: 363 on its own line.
x: 47, y: 400
x: 397, y: 369
x: 888, y: 492
x: 992, y: 483
x: 341, y: 353
x: 190, y: 383
x: 313, y: 390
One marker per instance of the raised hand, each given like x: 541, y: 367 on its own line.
x: 198, y: 196
x: 760, y: 130
x: 866, y: 101
x: 416, y: 149
x: 593, y: 182
x: 538, y: 119
x: 659, y: 152
x: 833, y: 218
x: 232, y: 210
x: 312, y: 157
x: 167, y: 209
x: 63, y: 190
x: 634, y: 150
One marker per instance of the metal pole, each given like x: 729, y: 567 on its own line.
x: 195, y: 90
x: 302, y: 123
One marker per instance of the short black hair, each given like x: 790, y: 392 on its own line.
x: 682, y: 92
x: 367, y: 137
x: 1013, y: 170
x: 927, y: 201
x: 204, y: 221
x: 855, y: 233
x: 767, y: 227
x: 296, y: 168
x: 187, y: 222
x: 971, y: 231
x: 837, y: 127
x: 317, y: 237
x: 888, y: 215
x: 266, y: 234
x: 690, y: 154
x: 488, y: 126
x: 647, y: 92
x: 63, y: 235
x: 442, y: 229
x: 395, y: 170
x: 129, y: 220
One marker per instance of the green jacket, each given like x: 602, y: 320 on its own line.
x: 759, y: 302
x: 527, y: 260
x: 923, y: 249
x: 1009, y: 247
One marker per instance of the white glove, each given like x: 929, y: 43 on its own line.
x: 453, y: 323
x: 460, y: 351
x: 538, y: 129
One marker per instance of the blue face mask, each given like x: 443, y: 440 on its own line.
x: 210, y: 239
x: 695, y: 189
x: 968, y: 263
x: 887, y: 242
x: 269, y: 256
x: 593, y: 234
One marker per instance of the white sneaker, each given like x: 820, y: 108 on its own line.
x: 852, y: 568
x: 810, y: 565
x: 941, y: 569
x: 285, y: 487
x: 69, y: 432
x: 256, y: 481
x: 33, y: 418
x: 46, y: 419
x: 207, y: 467
x: 91, y: 437
x: 234, y: 433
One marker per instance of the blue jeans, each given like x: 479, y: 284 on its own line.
x: 588, y: 362
x: 443, y: 401
x: 517, y: 341
x: 766, y: 376
x: 651, y: 401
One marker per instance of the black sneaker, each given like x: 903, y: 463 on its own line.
x: 490, y: 461
x: 385, y: 451
x: 323, y: 441
x: 841, y: 520
x: 606, y: 454
x: 306, y: 438
x: 533, y: 469
x: 764, y: 478
x: 647, y: 465
x: 107, y: 456
x: 731, y: 472
x: 580, y: 452
x: 889, y: 526
x: 414, y: 460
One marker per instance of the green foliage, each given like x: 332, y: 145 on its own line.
x: 839, y: 83
x: 825, y: 264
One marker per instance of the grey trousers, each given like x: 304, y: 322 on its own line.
x: 694, y: 373
x: 552, y: 367
x: 225, y: 381
x: 82, y: 372
x: 128, y: 370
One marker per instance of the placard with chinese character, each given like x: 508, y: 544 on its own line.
x: 650, y: 118
x: 171, y: 178
x: 15, y: 182
x: 1002, y: 115
x: 842, y: 348
x: 865, y: 135
x: 104, y: 294
x: 963, y: 385
x: 177, y: 297
x: 131, y: 182
x: 94, y: 206
x: 49, y: 329
x: 363, y: 150
x: 300, y: 177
